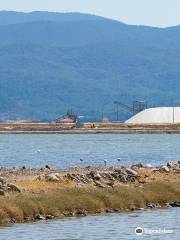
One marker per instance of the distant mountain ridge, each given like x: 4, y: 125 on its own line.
x: 52, y: 62
x: 10, y: 17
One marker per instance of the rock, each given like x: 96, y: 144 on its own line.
x: 83, y: 178
x: 57, y: 175
x: 110, y: 177
x: 88, y: 167
x: 81, y: 212
x: 170, y: 164
x: 69, y: 214
x: 2, y: 193
x: 39, y: 217
x: 168, y: 205
x: 153, y: 170
x: 13, y: 220
x: 149, y: 165
x: 116, y: 210
x: 137, y: 209
x: 76, y: 177
x: 115, y: 175
x: 13, y: 187
x: 164, y: 169
x: 123, y: 172
x: 176, y: 170
x: 72, y: 177
x: 176, y: 167
x: 95, y: 176
x: 124, y: 179
x: 131, y: 172
x: 53, y: 177
x: 2, y: 180
x: 174, y: 204
x: 140, y: 209
x: 137, y: 165
x: 151, y: 205
x: 109, y: 210
x: 100, y: 185
x: 49, y: 217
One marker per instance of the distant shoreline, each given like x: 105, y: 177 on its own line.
x: 87, y: 132
x: 88, y: 128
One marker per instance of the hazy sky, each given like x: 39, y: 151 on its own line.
x: 146, y: 12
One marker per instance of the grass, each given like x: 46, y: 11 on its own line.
x: 57, y: 200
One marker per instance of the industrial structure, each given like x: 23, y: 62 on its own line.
x: 136, y: 107
x: 68, y: 119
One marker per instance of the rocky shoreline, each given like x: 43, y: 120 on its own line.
x: 102, y: 177
x: 38, y: 194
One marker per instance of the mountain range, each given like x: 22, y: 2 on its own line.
x: 53, y: 62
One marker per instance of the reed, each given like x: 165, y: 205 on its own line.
x: 59, y: 200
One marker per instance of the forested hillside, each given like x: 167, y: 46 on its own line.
x: 52, y: 62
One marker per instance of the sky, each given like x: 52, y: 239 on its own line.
x: 159, y: 13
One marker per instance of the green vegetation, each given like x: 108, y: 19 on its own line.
x: 71, y: 201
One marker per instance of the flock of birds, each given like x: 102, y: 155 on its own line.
x: 82, y: 160
x: 105, y: 161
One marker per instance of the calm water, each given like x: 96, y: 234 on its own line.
x: 66, y: 150
x: 101, y: 227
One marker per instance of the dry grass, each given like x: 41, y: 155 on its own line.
x: 59, y: 201
x: 36, y: 186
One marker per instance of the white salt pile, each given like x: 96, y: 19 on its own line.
x: 157, y: 116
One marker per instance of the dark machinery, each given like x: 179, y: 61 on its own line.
x: 136, y: 107
x: 70, y: 117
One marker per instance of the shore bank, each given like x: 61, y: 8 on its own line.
x: 37, y: 194
x: 116, y: 128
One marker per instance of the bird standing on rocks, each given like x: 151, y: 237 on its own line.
x: 47, y: 166
x: 119, y: 159
x: 81, y: 160
x: 105, y: 163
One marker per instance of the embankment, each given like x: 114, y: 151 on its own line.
x: 39, y: 194
x: 28, y: 128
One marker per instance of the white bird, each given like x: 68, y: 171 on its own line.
x: 38, y: 151
x: 149, y: 165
